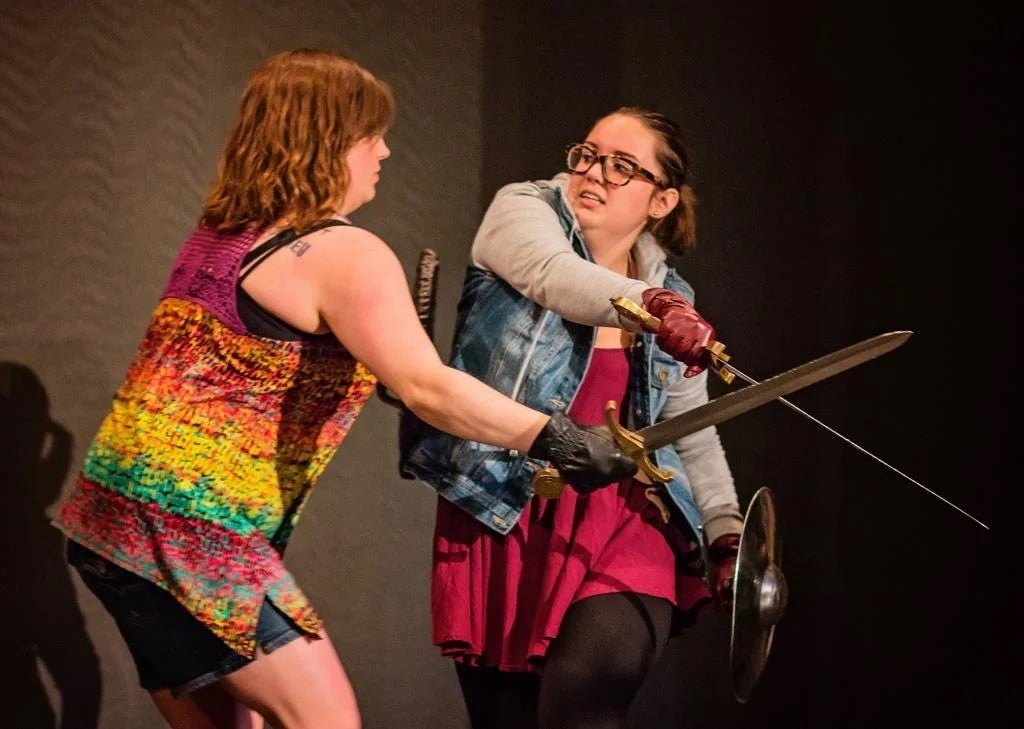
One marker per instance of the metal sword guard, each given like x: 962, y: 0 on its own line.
x: 717, y: 361
x: 717, y: 358
x: 549, y: 483
x: 633, y: 445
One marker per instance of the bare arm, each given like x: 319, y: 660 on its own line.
x: 363, y: 296
x: 521, y: 241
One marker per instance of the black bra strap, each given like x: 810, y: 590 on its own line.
x: 286, y: 237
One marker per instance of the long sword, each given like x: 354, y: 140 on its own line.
x: 719, y: 364
x: 636, y: 444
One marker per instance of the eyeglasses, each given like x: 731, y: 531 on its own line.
x: 617, y: 170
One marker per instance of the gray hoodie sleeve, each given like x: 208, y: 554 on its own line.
x: 521, y: 241
x: 705, y: 463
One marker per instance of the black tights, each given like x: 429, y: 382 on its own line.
x: 605, y: 648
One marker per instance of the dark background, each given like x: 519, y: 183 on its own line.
x: 856, y: 167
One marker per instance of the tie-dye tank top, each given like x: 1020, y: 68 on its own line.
x: 200, y: 470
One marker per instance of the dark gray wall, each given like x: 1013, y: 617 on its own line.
x: 111, y: 118
x: 854, y: 173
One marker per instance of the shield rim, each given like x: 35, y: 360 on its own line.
x: 762, y: 505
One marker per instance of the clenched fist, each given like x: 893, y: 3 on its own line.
x: 586, y: 456
x: 683, y: 332
x: 722, y: 553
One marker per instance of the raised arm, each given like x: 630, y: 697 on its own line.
x: 521, y: 241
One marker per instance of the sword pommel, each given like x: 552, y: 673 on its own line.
x: 548, y: 483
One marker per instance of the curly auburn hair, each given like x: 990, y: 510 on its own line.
x: 284, y: 162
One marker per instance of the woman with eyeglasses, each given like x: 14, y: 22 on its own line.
x: 278, y: 318
x: 554, y: 609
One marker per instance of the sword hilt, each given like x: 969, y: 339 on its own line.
x: 548, y: 482
x: 715, y: 351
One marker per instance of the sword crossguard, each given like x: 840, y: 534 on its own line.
x: 549, y: 483
x: 632, y: 444
x: 629, y: 309
x: 717, y: 359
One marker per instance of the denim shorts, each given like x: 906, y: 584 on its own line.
x: 171, y: 648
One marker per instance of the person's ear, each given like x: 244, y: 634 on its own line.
x: 663, y: 202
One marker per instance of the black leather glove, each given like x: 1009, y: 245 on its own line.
x: 586, y: 456
x: 683, y: 332
x: 722, y: 553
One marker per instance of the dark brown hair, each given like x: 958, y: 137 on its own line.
x: 284, y: 161
x: 677, y: 231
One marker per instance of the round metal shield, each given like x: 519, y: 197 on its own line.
x: 759, y: 594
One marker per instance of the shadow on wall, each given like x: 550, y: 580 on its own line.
x: 44, y: 629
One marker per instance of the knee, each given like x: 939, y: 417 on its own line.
x: 342, y: 719
x: 352, y: 720
x: 346, y: 717
x: 609, y: 675
x: 315, y: 717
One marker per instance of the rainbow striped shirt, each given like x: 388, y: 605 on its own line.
x: 200, y: 470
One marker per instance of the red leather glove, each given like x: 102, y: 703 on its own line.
x: 722, y: 554
x: 683, y: 332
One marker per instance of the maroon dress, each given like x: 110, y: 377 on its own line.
x: 499, y: 600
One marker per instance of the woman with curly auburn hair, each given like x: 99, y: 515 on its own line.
x: 278, y: 319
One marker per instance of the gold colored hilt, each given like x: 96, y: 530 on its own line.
x: 633, y: 445
x: 631, y: 310
x: 717, y: 357
x: 549, y: 483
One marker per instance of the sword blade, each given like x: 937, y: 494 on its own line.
x: 740, y: 401
x: 865, y: 451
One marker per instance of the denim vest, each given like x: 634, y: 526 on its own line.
x: 537, y: 358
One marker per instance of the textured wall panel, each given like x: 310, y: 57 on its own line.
x: 111, y: 118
